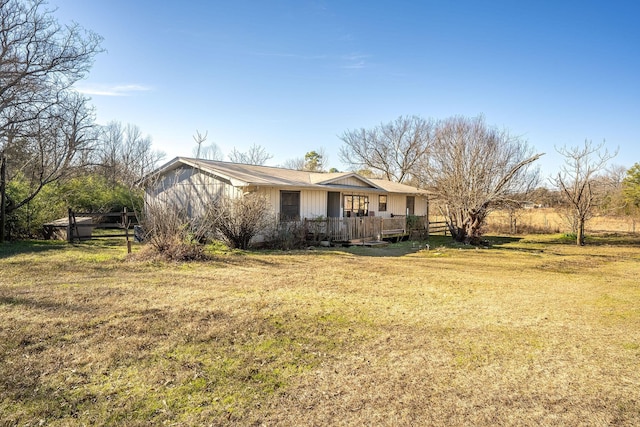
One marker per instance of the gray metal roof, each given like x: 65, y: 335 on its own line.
x: 244, y: 175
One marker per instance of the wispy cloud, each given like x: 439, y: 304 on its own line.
x: 352, y: 61
x: 355, y: 65
x: 291, y: 55
x: 355, y: 61
x: 111, y: 90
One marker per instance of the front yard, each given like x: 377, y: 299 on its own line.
x: 532, y: 331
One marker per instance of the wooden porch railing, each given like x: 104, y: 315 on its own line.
x: 357, y: 228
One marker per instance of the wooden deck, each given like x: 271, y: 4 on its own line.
x: 361, y: 229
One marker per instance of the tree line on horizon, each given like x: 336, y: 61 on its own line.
x: 53, y: 155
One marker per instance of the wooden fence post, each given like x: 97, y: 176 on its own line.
x: 69, y: 226
x: 428, y: 222
x: 125, y: 224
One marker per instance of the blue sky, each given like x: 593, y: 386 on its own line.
x: 292, y: 76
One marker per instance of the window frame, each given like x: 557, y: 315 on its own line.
x: 350, y: 202
x: 287, y: 210
x: 382, y: 206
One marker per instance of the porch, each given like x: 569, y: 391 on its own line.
x: 364, y: 229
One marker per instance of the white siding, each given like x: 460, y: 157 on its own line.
x: 273, y: 197
x: 397, y: 205
x: 189, y: 189
x: 192, y: 189
x: 313, y: 203
x: 374, y: 206
x: 351, y: 181
x: 422, y: 206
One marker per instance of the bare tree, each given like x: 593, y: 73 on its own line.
x: 611, y: 184
x: 294, y: 164
x: 207, y: 152
x: 579, y: 182
x: 39, y: 59
x: 256, y: 155
x: 108, y: 154
x: 138, y: 157
x: 395, y: 149
x: 546, y: 197
x: 313, y: 161
x: 200, y: 139
x: 55, y: 146
x: 124, y: 155
x: 39, y: 62
x: 474, y: 168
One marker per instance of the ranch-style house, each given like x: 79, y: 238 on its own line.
x: 351, y: 207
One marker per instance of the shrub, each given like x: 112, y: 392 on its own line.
x: 173, y: 250
x: 87, y: 193
x: 237, y: 221
x: 172, y: 234
x: 27, y: 221
x: 94, y: 193
x: 287, y: 235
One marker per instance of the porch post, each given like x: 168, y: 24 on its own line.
x: 427, y: 219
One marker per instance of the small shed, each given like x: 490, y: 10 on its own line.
x: 59, y: 229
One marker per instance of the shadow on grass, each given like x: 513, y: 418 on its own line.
x: 9, y: 249
x: 527, y: 243
x: 398, y: 249
x: 31, y: 246
x: 241, y: 259
x: 43, y: 305
x: 502, y: 240
x: 591, y: 239
x: 432, y: 243
x: 612, y: 239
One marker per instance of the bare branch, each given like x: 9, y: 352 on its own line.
x: 256, y: 155
x: 45, y: 127
x: 578, y: 181
x: 474, y: 168
x: 394, y: 150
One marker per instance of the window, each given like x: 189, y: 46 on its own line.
x: 289, y: 205
x: 382, y: 203
x: 356, y: 205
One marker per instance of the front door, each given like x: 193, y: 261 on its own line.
x: 333, y: 204
x: 411, y: 203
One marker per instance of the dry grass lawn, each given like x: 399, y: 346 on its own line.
x: 532, y: 331
x: 549, y: 220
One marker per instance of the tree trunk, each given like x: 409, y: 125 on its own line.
x: 513, y: 222
x: 3, y: 197
x: 458, y: 231
x: 473, y: 225
x: 469, y: 231
x: 459, y: 234
x: 580, y: 232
